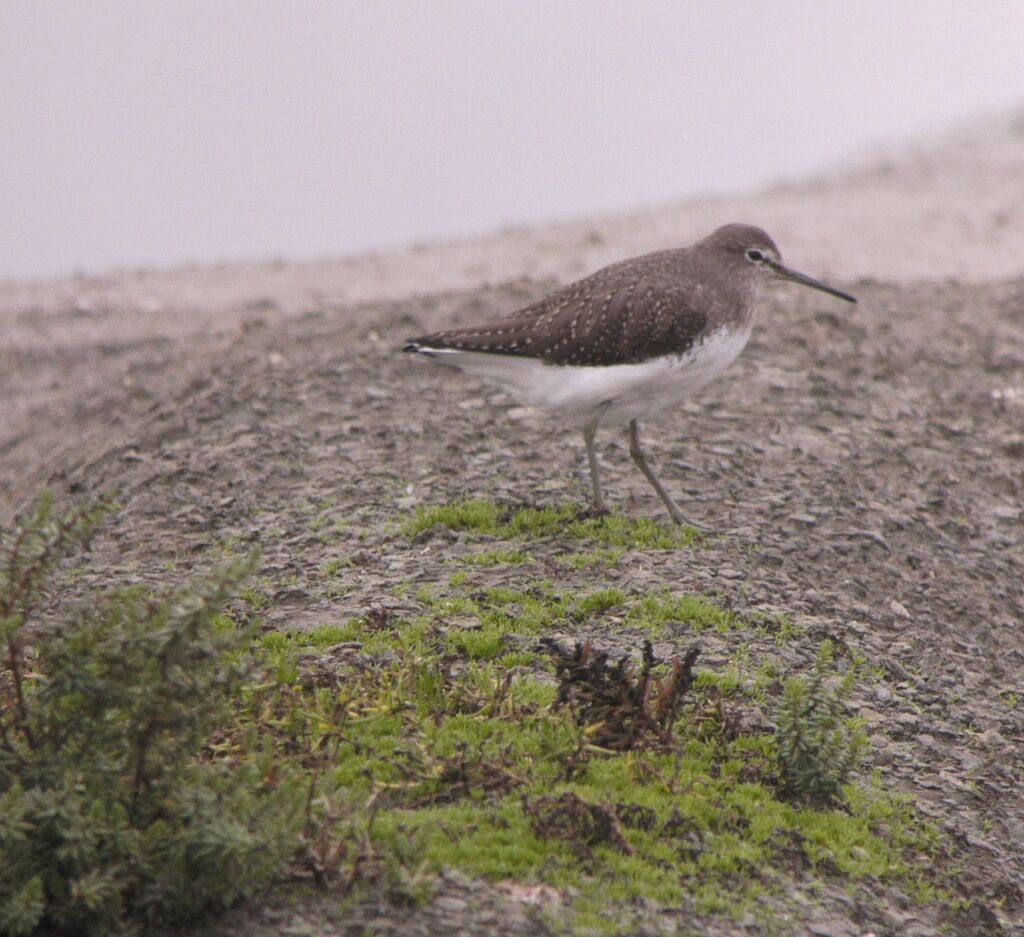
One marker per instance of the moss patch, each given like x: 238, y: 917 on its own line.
x: 654, y: 613
x: 472, y: 759
x: 487, y: 618
x: 568, y: 521
x: 498, y: 557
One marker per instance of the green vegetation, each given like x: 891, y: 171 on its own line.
x: 257, y: 594
x: 334, y: 566
x: 641, y: 783
x: 159, y: 758
x: 496, y: 616
x: 818, y: 747
x: 511, y: 557
x: 620, y: 783
x: 643, y: 827
x: 568, y: 521
x: 114, y: 812
x: 602, y: 558
x: 656, y: 612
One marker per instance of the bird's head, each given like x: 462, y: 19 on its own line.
x: 750, y: 248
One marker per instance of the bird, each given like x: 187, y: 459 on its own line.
x: 628, y: 342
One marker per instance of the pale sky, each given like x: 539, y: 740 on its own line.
x: 169, y: 131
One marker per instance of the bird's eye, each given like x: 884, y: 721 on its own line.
x: 754, y: 255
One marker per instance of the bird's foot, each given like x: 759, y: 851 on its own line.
x: 683, y: 521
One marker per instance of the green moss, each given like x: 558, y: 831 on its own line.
x: 476, y: 515
x: 502, y: 595
x: 425, y: 594
x: 257, y: 596
x: 601, y: 601
x: 1009, y: 699
x: 654, y: 612
x: 604, y: 557
x: 497, y: 557
x: 500, y: 622
x: 729, y: 682
x: 465, y: 752
x: 477, y: 645
x: 325, y: 635
x: 333, y: 566
x: 518, y: 659
x: 696, y: 837
x: 481, y: 623
x: 565, y: 521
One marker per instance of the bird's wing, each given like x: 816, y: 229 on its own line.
x: 596, y: 321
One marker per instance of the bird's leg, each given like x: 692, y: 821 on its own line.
x: 589, y: 429
x: 641, y: 463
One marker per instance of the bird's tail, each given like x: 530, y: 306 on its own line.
x: 418, y: 348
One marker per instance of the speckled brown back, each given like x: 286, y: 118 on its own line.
x: 645, y: 307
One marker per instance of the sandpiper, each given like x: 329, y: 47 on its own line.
x: 636, y: 338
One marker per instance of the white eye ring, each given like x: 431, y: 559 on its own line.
x: 755, y: 256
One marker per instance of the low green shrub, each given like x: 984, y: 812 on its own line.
x: 115, y: 815
x: 818, y: 747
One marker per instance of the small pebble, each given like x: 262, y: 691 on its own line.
x: 899, y: 609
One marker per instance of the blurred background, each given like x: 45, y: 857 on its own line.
x: 184, y: 131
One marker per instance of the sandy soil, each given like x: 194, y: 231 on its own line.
x: 865, y: 467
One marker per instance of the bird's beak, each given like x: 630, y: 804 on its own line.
x: 783, y: 272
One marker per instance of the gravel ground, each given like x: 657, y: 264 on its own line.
x: 863, y: 470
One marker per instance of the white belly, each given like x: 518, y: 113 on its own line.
x: 618, y: 392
